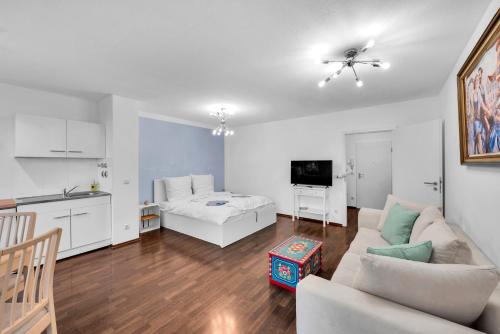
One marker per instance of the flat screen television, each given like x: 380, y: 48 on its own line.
x: 311, y: 172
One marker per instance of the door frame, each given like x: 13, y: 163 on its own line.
x: 355, y: 132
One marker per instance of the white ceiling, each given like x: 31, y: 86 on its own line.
x: 186, y: 55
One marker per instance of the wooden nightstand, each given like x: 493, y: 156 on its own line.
x: 150, y: 217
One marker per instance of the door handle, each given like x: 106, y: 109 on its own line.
x: 81, y: 214
x: 360, y: 175
x: 61, y: 217
x: 58, y: 151
x: 431, y: 183
x: 75, y: 151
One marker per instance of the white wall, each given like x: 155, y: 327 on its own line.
x: 38, y: 176
x: 472, y: 194
x: 258, y: 156
x: 121, y: 118
x: 351, y: 140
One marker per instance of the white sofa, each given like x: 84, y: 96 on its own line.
x: 336, y: 307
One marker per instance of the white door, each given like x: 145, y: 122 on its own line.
x: 86, y: 140
x: 90, y: 224
x: 418, y: 162
x: 39, y: 136
x: 373, y: 173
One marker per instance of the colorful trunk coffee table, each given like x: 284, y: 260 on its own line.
x: 292, y: 260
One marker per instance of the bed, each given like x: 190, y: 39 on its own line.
x: 222, y: 225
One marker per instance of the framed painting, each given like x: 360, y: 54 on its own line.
x: 479, y: 99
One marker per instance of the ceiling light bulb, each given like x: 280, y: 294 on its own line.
x: 322, y: 83
x: 385, y: 65
x: 335, y: 75
x: 370, y: 44
x: 359, y: 83
x: 333, y: 67
x: 214, y: 132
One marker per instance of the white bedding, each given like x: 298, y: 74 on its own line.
x: 196, y: 206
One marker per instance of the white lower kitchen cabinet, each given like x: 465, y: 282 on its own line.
x: 85, y: 223
x: 46, y: 221
x: 90, y: 224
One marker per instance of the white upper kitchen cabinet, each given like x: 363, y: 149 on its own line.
x: 85, y: 140
x: 39, y: 137
x: 46, y: 137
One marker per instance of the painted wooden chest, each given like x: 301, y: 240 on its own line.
x: 292, y: 260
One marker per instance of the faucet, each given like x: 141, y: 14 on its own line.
x: 67, y: 192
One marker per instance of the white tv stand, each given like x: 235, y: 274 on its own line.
x: 300, y: 191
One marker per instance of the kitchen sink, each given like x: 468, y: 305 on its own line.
x: 82, y: 194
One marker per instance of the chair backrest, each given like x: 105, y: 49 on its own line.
x: 16, y: 227
x: 26, y: 289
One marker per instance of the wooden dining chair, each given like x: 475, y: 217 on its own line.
x: 16, y: 227
x: 30, y: 309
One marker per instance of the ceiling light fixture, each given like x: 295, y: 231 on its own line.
x: 222, y: 129
x: 351, y: 59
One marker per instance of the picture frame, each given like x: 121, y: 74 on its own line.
x: 478, y: 86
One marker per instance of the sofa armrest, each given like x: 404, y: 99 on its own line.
x: 369, y: 218
x: 327, y: 307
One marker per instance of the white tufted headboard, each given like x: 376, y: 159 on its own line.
x: 159, y: 194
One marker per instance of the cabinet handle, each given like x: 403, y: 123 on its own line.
x: 75, y: 151
x: 81, y: 214
x: 58, y: 151
x: 61, y: 217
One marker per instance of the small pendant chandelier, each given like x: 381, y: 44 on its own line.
x: 351, y: 59
x: 222, y: 128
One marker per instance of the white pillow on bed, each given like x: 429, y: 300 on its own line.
x: 178, y: 187
x: 202, y: 184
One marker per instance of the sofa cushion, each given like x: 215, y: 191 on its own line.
x: 477, y: 257
x: 347, y: 269
x: 398, y: 225
x: 349, y: 265
x: 454, y: 292
x: 391, y: 200
x: 427, y: 217
x: 489, y: 321
x: 365, y: 238
x: 420, y: 251
x: 446, y: 246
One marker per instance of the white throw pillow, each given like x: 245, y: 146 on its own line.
x: 455, y: 292
x: 202, y: 184
x: 391, y: 200
x: 446, y: 246
x: 178, y: 187
x: 427, y: 217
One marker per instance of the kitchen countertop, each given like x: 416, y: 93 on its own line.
x: 60, y: 197
x: 7, y: 204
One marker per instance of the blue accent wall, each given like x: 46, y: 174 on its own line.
x: 172, y: 149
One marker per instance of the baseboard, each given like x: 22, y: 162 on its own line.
x: 312, y: 220
x: 125, y: 243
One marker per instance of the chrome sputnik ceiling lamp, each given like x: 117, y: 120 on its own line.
x: 351, y: 59
x: 222, y: 128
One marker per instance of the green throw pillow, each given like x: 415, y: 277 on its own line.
x: 398, y: 225
x: 415, y: 252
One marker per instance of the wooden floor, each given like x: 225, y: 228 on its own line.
x: 172, y: 283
